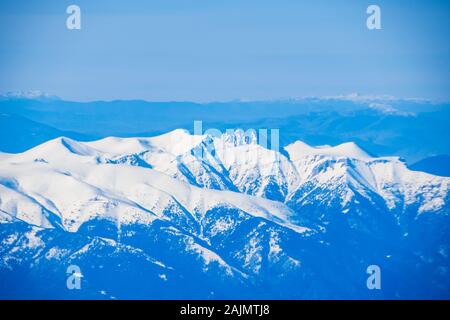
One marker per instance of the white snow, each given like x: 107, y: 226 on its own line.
x: 77, y: 189
x: 75, y: 182
x: 300, y: 149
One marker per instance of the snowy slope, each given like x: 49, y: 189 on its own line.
x: 237, y: 162
x: 300, y: 149
x: 215, y: 210
x: 119, y: 192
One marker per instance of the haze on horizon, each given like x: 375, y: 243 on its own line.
x: 210, y: 51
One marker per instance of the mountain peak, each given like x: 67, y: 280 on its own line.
x: 175, y: 142
x: 176, y: 133
x: 58, y: 149
x: 29, y: 94
x: 300, y: 149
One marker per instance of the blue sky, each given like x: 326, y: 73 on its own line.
x: 203, y: 50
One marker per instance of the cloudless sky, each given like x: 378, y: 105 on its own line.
x: 205, y: 50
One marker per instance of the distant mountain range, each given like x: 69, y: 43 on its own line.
x: 384, y: 126
x: 200, y: 216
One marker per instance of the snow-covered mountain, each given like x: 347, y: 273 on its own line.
x: 30, y: 94
x: 197, y: 216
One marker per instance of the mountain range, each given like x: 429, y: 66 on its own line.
x: 199, y: 216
